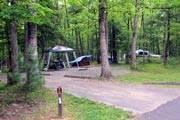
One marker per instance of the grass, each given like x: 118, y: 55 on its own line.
x: 9, y: 95
x: 77, y: 109
x: 153, y: 72
x: 84, y: 109
x: 44, y: 106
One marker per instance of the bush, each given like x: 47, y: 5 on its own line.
x: 174, y: 61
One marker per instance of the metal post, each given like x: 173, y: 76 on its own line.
x: 60, y: 105
x: 48, y: 62
x: 74, y: 54
x: 67, y: 59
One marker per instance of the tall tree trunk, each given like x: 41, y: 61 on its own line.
x: 158, y: 47
x: 167, y: 38
x: 26, y: 43
x: 143, y: 35
x: 77, y: 41
x: 34, y: 79
x: 105, y: 67
x: 114, y: 52
x: 127, y: 45
x: 13, y: 73
x: 97, y: 35
x: 88, y: 35
x: 80, y: 42
x: 106, y: 28
x: 66, y: 11
x: 134, y: 35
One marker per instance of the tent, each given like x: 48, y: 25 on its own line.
x: 82, y: 61
x: 60, y: 49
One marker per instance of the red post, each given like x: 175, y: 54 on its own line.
x: 60, y: 110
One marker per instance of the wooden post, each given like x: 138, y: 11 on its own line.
x: 60, y: 105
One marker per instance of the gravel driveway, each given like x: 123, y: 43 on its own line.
x: 138, y: 99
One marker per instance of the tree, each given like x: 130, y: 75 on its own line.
x: 13, y: 75
x: 105, y: 67
x: 134, y: 34
x: 167, y: 38
x: 34, y: 79
x: 114, y: 44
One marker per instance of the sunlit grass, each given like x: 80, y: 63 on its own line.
x: 153, y: 73
x: 76, y: 109
x: 84, y: 109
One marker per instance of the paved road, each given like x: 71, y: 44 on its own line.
x: 138, y: 99
x: 168, y: 111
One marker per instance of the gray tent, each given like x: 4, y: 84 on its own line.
x: 60, y: 49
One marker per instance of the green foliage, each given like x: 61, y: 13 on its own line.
x: 5, y: 70
x: 2, y: 86
x: 59, y: 20
x: 15, y: 77
x: 174, y: 61
x: 27, y: 11
x: 22, y: 66
x: 35, y: 80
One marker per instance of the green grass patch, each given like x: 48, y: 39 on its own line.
x: 76, y: 109
x: 9, y: 95
x: 44, y: 105
x: 16, y: 94
x: 153, y: 73
x: 84, y: 109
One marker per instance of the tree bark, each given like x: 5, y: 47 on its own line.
x: 134, y: 35
x: 80, y: 42
x: 34, y: 79
x: 13, y: 43
x: 127, y: 57
x: 114, y: 52
x: 77, y: 41
x: 167, y: 38
x: 66, y: 11
x: 26, y: 43
x: 105, y: 67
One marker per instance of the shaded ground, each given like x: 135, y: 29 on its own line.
x: 136, y: 98
x: 16, y: 111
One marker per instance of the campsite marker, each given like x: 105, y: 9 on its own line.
x: 60, y: 109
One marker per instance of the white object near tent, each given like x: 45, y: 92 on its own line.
x: 141, y: 52
x: 60, y: 49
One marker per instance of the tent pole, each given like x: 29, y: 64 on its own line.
x: 74, y: 54
x: 49, y: 58
x: 67, y: 59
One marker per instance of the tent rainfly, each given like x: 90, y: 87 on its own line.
x: 60, y: 49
